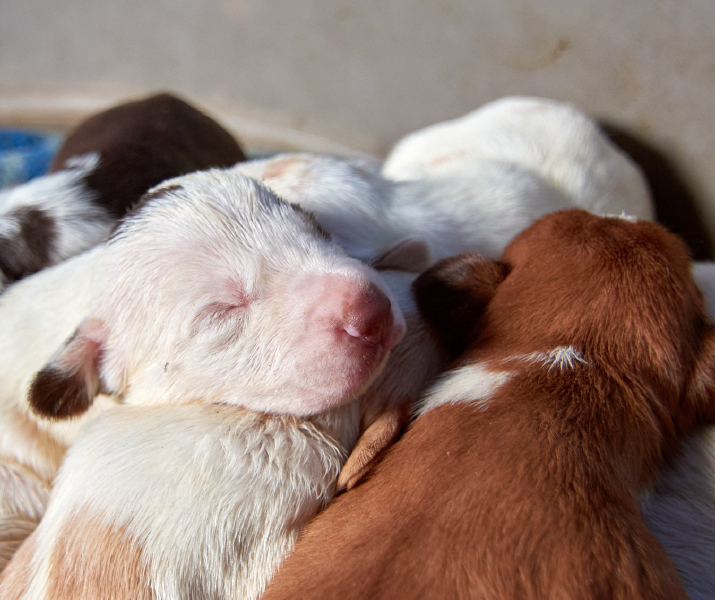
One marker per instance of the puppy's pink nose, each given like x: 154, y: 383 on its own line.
x: 370, y: 319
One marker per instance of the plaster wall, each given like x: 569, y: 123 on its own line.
x: 352, y: 76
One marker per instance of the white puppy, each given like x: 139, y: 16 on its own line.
x: 217, y: 295
x: 411, y: 224
x: 552, y: 139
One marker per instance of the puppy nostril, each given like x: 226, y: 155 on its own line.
x: 370, y: 336
x: 371, y: 319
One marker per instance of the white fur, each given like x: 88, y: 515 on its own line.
x: 474, y: 384
x: 475, y: 205
x: 561, y: 357
x: 184, y: 450
x: 704, y: 275
x: 63, y: 197
x: 216, y: 495
x: 219, y: 240
x: 552, y: 139
x: 680, y: 511
x: 480, y: 211
x: 37, y: 315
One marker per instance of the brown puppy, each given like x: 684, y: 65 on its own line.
x: 521, y: 477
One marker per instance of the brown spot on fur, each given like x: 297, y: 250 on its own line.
x: 311, y: 220
x: 94, y: 560
x: 278, y: 167
x: 143, y: 143
x: 147, y: 198
x: 29, y: 250
x: 56, y: 394
x: 411, y: 255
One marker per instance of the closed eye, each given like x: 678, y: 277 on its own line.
x: 220, y: 318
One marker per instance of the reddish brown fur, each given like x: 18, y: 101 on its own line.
x: 143, y: 143
x: 536, y: 494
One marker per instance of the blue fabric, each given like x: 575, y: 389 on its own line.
x: 25, y: 154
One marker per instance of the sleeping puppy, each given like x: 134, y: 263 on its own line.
x: 521, y: 476
x: 554, y: 140
x: 100, y: 171
x: 478, y: 206
x: 237, y: 336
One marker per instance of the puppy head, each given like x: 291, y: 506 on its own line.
x: 618, y: 290
x: 217, y: 291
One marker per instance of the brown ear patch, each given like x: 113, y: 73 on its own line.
x: 29, y: 250
x: 57, y: 394
x: 452, y: 295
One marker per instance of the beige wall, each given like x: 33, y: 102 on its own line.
x: 355, y: 75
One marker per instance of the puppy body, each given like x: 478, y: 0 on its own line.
x: 235, y: 489
x: 552, y: 139
x: 239, y: 307
x: 680, y: 507
x: 37, y: 315
x: 49, y: 219
x: 521, y: 477
x: 466, y: 186
x: 411, y: 224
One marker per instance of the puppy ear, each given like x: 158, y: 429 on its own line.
x: 452, y: 295
x: 373, y: 443
x: 411, y: 255
x: 69, y: 382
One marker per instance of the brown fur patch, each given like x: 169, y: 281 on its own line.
x: 92, y: 560
x: 56, y: 394
x: 28, y: 251
x: 143, y: 143
x: 278, y: 167
x: 453, y: 293
x: 147, y: 198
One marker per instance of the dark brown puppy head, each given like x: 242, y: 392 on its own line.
x: 142, y: 143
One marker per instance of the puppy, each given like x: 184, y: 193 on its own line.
x: 468, y: 185
x: 99, y: 172
x: 521, y: 476
x: 237, y: 344
x: 554, y: 140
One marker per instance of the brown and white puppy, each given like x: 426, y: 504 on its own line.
x: 100, y: 171
x: 237, y: 336
x: 521, y: 476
